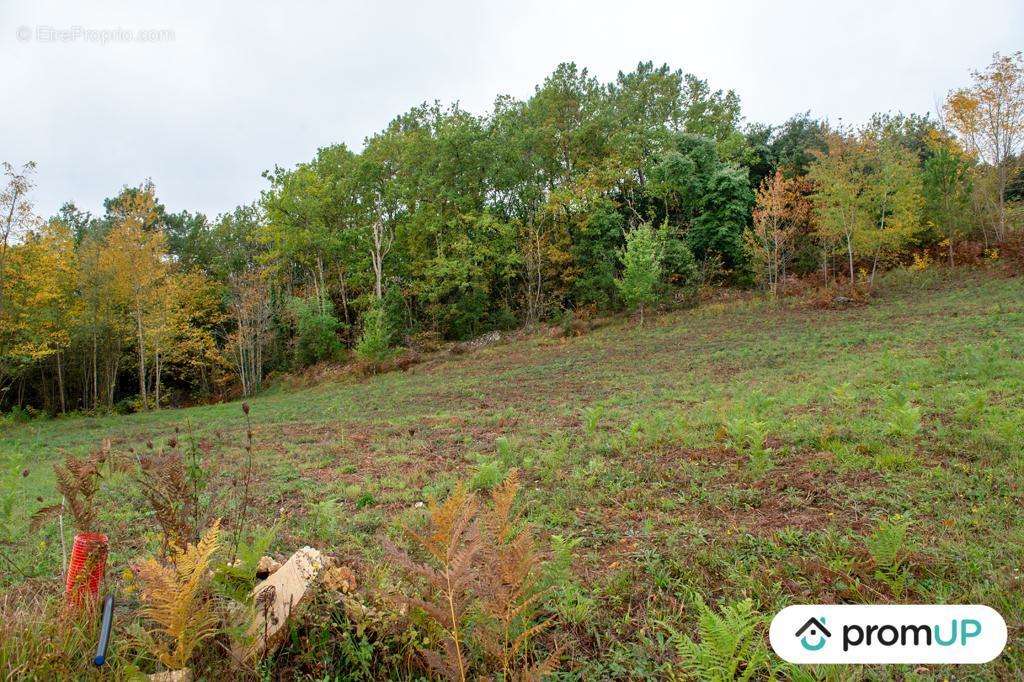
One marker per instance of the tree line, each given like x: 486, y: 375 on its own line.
x: 585, y: 197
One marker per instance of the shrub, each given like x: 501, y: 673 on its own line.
x: 316, y: 330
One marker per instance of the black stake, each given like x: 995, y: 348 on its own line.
x: 108, y: 618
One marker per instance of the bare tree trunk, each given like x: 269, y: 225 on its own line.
x: 60, y: 385
x: 142, y: 361
x: 849, y: 250
x: 156, y: 387
x: 95, y: 375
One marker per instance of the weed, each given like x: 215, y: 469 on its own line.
x: 324, y: 517
x: 749, y: 436
x: 592, y: 417
x: 489, y: 473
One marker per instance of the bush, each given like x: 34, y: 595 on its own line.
x: 316, y: 329
x: 374, y: 344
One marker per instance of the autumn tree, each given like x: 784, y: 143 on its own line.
x: 782, y: 209
x: 988, y: 116
x: 16, y: 213
x: 892, y: 199
x: 134, y: 258
x: 38, y: 287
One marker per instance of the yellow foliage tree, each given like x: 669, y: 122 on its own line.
x: 38, y: 288
x: 989, y: 118
x: 135, y: 263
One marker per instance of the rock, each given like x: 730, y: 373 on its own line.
x: 280, y: 598
x: 266, y: 567
x: 340, y: 578
x: 479, y: 342
x: 183, y: 675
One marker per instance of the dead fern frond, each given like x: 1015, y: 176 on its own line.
x: 452, y: 542
x: 485, y: 560
x: 510, y: 585
x: 164, y: 482
x: 78, y: 480
x: 175, y: 598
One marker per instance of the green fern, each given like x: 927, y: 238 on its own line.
x: 731, y: 645
x: 888, y: 547
x: 903, y: 418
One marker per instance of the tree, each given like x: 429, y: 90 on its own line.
x: 641, y: 268
x: 989, y: 118
x: 249, y: 308
x: 707, y: 199
x: 781, y: 210
x: 838, y: 204
x: 948, y: 188
x: 892, y: 198
x: 134, y: 260
x: 38, y: 287
x: 867, y: 199
x: 16, y: 214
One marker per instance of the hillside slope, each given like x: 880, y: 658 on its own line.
x: 738, y: 450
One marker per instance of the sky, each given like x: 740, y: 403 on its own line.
x: 202, y: 97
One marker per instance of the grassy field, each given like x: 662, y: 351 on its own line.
x: 742, y: 449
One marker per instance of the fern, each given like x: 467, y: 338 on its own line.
x: 235, y: 579
x: 731, y: 646
x: 175, y: 598
x: 484, y: 562
x: 888, y: 549
x: 510, y: 587
x: 78, y: 481
x: 749, y: 436
x: 452, y: 543
x: 903, y: 419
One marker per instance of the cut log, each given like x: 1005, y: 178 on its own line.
x: 280, y: 597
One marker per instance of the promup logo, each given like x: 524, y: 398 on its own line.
x: 888, y: 634
x: 817, y: 629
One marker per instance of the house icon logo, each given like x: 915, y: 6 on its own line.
x: 815, y: 631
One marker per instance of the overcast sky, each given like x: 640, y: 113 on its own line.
x: 232, y: 88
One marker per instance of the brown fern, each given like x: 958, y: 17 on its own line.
x: 165, y: 483
x: 78, y: 480
x: 509, y: 587
x: 451, y: 543
x: 485, y: 561
x: 175, y: 598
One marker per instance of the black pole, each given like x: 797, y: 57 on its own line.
x: 108, y: 618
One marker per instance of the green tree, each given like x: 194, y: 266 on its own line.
x: 316, y: 330
x: 641, y: 268
x: 947, y: 191
x: 868, y: 198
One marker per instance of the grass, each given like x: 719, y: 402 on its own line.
x: 743, y: 450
